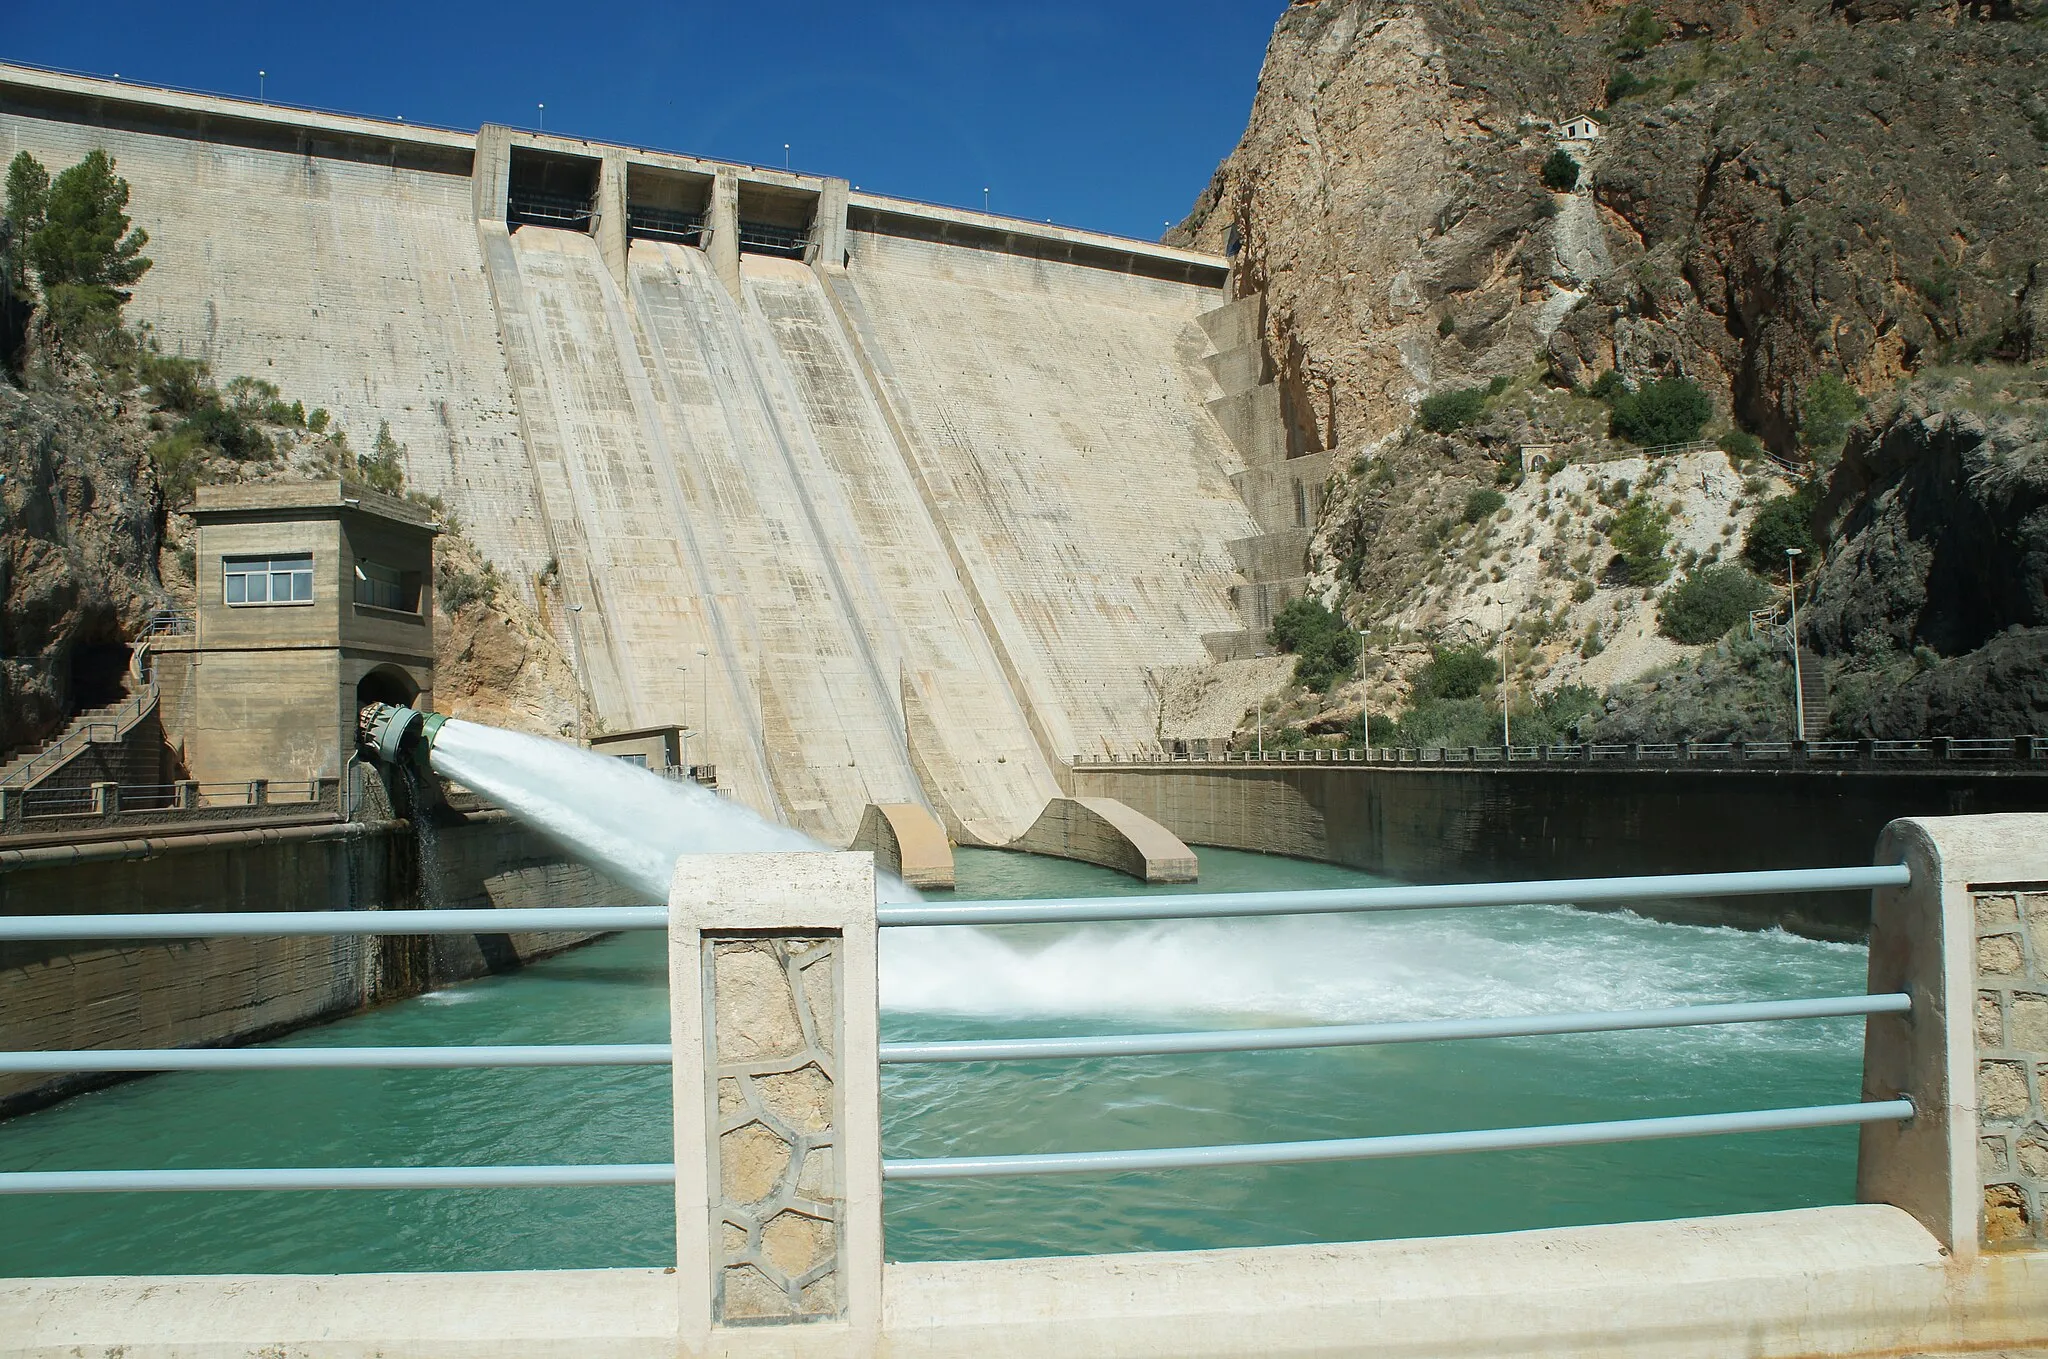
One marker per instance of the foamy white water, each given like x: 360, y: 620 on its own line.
x: 1329, y: 969
x: 613, y: 815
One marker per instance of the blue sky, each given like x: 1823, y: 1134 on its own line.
x: 1105, y: 115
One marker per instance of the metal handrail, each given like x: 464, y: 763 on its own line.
x: 437, y: 1058
x: 479, y: 1056
x: 1374, y: 1035
x: 332, y: 1177
x: 1067, y: 910
x: 1563, y: 891
x: 1404, y: 1144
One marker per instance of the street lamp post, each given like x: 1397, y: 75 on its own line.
x: 1505, y: 742
x: 1365, y: 696
x: 262, y: 81
x: 704, y: 689
x: 543, y: 116
x: 1798, y: 679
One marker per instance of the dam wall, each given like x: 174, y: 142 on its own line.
x: 214, y: 992
x: 1420, y: 824
x: 889, y: 503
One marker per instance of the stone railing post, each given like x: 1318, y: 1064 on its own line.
x: 12, y: 809
x: 259, y: 792
x: 772, y: 989
x: 1968, y: 940
x: 185, y: 795
x: 106, y: 798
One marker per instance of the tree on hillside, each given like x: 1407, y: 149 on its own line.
x: 1323, y: 648
x: 1640, y: 536
x: 1669, y: 411
x: 1561, y: 171
x: 28, y: 192
x: 84, y: 252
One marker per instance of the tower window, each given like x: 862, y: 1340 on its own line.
x: 267, y: 580
x: 381, y: 587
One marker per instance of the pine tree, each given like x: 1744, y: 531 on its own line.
x: 84, y: 253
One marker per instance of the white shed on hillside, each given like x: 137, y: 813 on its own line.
x: 1581, y: 129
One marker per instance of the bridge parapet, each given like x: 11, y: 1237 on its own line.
x: 778, y: 1168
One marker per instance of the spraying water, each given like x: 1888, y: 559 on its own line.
x: 619, y: 817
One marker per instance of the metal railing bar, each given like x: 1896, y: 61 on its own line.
x: 1407, y: 1144
x: 267, y: 924
x: 1178, y: 906
x: 1565, y: 891
x: 1368, y: 1035
x: 321, y: 1059
x: 335, y: 1177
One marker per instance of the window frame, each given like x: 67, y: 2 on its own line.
x: 299, y: 566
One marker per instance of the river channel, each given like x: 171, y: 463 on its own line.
x: 1017, y: 982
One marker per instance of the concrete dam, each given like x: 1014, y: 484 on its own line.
x: 893, y: 503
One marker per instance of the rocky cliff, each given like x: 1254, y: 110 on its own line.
x: 1767, y: 200
x: 80, y: 527
x: 1772, y: 191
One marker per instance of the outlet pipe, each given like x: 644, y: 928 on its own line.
x: 393, y: 735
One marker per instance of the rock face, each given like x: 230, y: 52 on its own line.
x: 1941, y: 522
x: 1943, y: 534
x: 1799, y: 188
x: 79, y: 532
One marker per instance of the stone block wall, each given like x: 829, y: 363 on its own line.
x: 775, y: 1043
x: 2012, y: 1065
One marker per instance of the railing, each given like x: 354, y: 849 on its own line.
x: 766, y: 238
x: 548, y: 210
x: 685, y: 228
x: 110, y: 728
x: 1069, y: 910
x: 170, y: 623
x: 1940, y: 749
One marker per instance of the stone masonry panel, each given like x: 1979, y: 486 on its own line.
x: 2012, y: 1064
x: 776, y: 1184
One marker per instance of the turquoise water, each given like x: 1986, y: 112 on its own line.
x: 1024, y: 981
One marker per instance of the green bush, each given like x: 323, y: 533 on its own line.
x: 1560, y: 171
x: 1323, y: 648
x: 1447, y: 411
x: 1447, y: 325
x: 1667, y: 411
x: 1827, y: 407
x: 1607, y: 386
x: 181, y: 385
x: 1783, y: 521
x: 1641, y: 30
x: 1554, y: 718
x: 1483, y: 503
x: 1455, y: 673
x: 457, y: 589
x: 1708, y: 602
x: 1623, y: 84
x: 178, y: 457
x: 1741, y: 445
x: 1448, y: 723
x: 1640, y: 536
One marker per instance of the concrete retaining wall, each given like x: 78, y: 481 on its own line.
x: 1450, y: 825
x: 226, y: 991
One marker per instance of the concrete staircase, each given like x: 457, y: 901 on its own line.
x: 1813, y: 692
x: 29, y: 767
